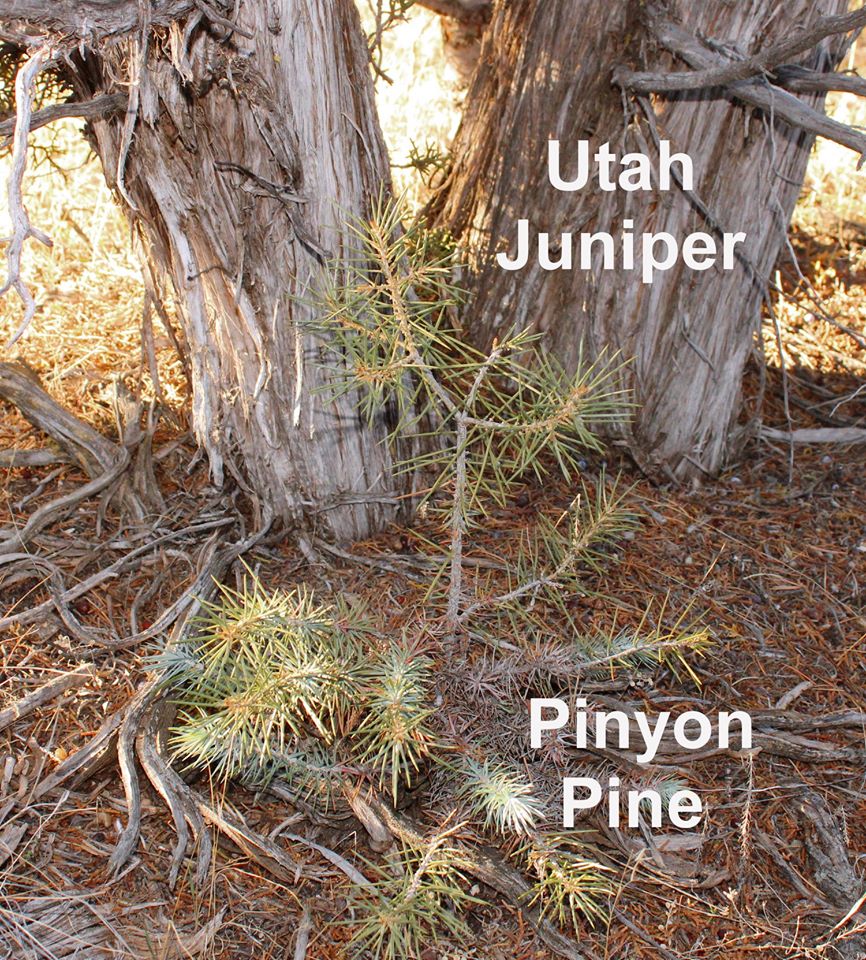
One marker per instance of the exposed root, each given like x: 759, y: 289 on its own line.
x: 139, y: 739
x: 99, y: 752
x: 20, y: 386
x: 102, y: 460
x: 177, y: 796
x: 136, y: 737
x: 50, y: 513
x: 61, y: 597
x: 833, y: 872
x: 126, y: 735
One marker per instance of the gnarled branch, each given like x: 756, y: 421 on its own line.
x: 80, y: 442
x: 22, y: 229
x: 89, y: 20
x: 726, y: 73
x: 799, y: 79
x: 94, y: 109
x: 776, y: 102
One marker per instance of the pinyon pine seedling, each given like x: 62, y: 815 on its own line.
x: 416, y: 897
x: 568, y: 885
x: 480, y: 422
x: 276, y: 685
x: 500, y: 797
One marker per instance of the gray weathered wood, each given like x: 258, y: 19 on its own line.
x: 82, y: 444
x: 545, y: 72
x: 44, y: 694
x: 84, y: 19
x: 709, y: 66
x: 800, y: 80
x: 242, y: 152
x: 727, y: 72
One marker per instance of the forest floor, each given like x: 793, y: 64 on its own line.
x: 770, y: 556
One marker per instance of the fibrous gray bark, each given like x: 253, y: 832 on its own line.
x: 249, y: 138
x: 547, y: 71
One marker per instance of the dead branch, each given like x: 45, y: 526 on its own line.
x: 19, y: 385
x: 95, y: 109
x: 469, y: 12
x: 726, y: 73
x: 88, y: 21
x: 44, y: 694
x: 63, y: 928
x: 22, y: 229
x: 776, y: 102
x: 802, y: 80
x: 219, y: 20
x: 816, y: 435
x: 86, y: 762
x: 266, y: 853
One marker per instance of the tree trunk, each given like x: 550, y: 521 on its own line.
x: 545, y: 73
x: 250, y: 148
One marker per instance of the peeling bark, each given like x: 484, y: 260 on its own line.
x: 242, y: 152
x: 545, y: 72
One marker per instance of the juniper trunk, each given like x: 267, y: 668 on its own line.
x: 545, y: 72
x: 248, y: 155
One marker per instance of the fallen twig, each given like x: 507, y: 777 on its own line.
x: 816, y: 435
x: 44, y: 694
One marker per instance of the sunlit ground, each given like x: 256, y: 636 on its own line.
x: 829, y: 238
x: 88, y: 284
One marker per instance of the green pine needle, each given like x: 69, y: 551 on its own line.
x: 412, y: 905
x: 569, y: 887
x: 502, y: 797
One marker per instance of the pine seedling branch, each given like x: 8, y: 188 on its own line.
x: 278, y: 688
x: 495, y: 417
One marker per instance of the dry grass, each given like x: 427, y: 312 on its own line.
x: 88, y: 285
